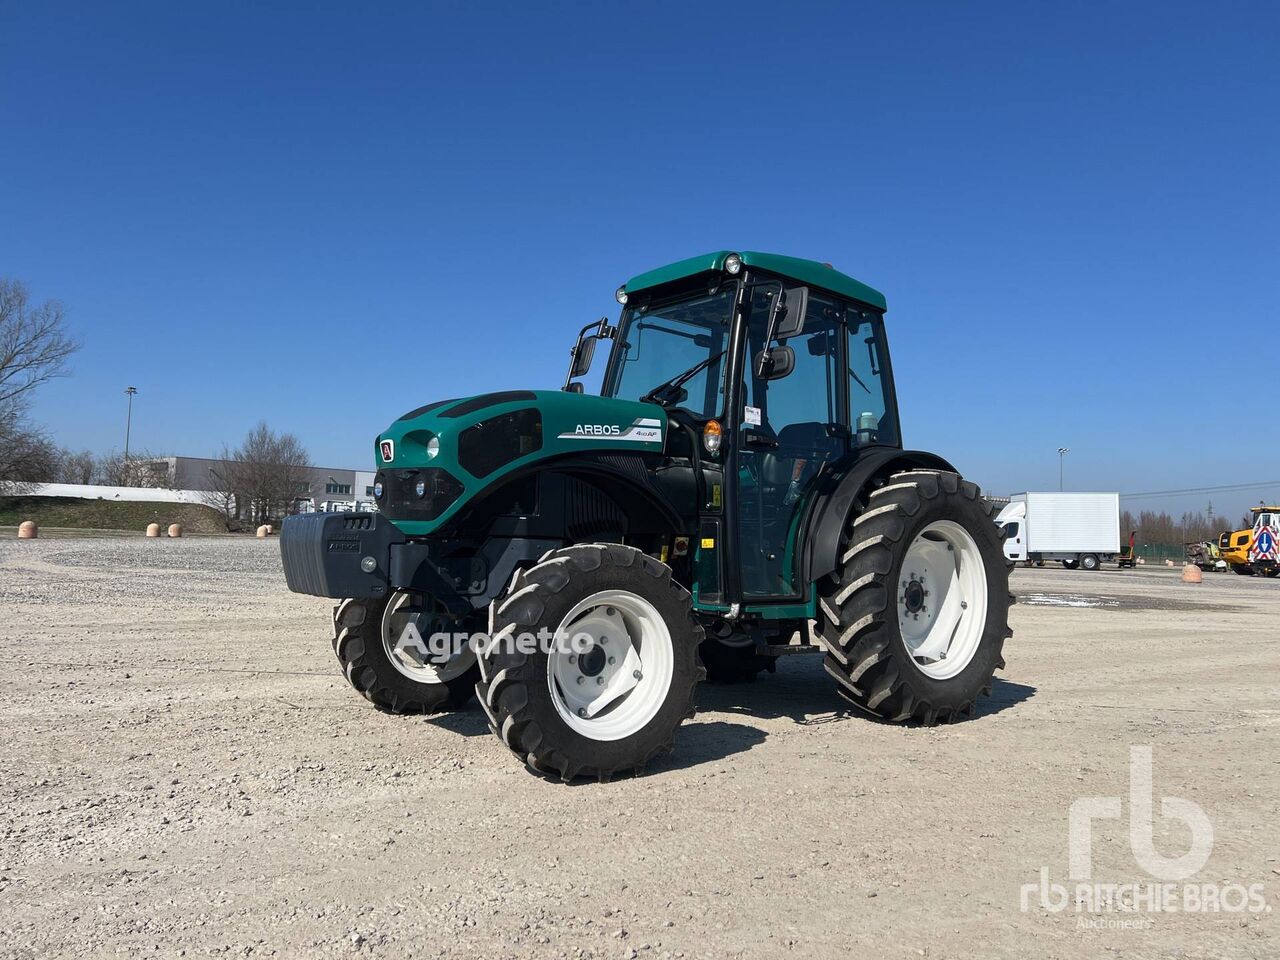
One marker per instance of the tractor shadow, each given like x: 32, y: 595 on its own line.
x: 467, y: 722
x: 702, y: 741
x: 706, y: 741
x: 802, y: 692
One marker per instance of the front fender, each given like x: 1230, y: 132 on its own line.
x: 834, y: 505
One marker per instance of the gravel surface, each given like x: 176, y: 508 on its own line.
x: 185, y: 772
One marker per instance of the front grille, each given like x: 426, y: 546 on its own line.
x: 400, y: 500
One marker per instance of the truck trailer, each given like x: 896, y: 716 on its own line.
x: 1078, y: 529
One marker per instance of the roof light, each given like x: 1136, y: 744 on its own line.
x: 621, y: 294
x: 711, y: 436
x: 732, y: 264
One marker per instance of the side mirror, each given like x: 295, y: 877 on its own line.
x: 575, y: 387
x: 775, y: 363
x: 584, y: 348
x: 791, y: 312
x: 583, y: 351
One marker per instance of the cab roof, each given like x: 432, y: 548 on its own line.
x: 809, y: 272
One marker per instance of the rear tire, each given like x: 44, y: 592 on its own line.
x: 1070, y: 564
x: 366, y: 663
x: 643, y: 646
x: 1089, y: 562
x: 894, y: 566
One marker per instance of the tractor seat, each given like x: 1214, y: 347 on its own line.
x: 805, y: 441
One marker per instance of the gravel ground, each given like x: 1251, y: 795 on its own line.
x: 185, y: 772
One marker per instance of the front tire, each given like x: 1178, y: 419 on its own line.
x: 915, y: 620
x: 607, y: 692
x: 390, y: 674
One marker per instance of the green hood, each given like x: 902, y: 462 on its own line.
x: 479, y: 440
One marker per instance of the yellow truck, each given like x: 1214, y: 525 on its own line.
x: 1254, y: 549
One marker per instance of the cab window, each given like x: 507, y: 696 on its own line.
x: 867, y: 400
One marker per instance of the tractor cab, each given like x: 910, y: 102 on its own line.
x: 774, y: 373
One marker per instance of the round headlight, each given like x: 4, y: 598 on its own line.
x: 377, y: 490
x: 420, y: 488
x: 711, y: 436
x: 368, y: 564
x: 433, y: 447
x: 621, y: 294
x: 732, y: 263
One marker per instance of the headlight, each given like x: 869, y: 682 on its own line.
x: 621, y: 294
x: 711, y: 436
x: 433, y: 448
x: 420, y: 488
x: 732, y: 263
x: 377, y: 490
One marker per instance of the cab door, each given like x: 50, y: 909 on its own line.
x: 1015, y: 547
x: 792, y: 429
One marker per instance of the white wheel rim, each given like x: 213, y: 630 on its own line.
x: 610, y: 668
x: 942, y: 599
x: 414, y: 653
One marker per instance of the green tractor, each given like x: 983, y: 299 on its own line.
x: 738, y: 491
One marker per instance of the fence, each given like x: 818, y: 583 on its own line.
x: 1160, y: 552
x: 93, y: 491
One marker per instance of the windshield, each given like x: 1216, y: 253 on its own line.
x: 658, y: 343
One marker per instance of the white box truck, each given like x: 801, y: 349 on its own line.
x: 1078, y: 529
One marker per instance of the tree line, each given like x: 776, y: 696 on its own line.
x: 1162, y: 529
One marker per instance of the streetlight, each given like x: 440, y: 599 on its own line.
x: 1062, y: 452
x: 128, y: 423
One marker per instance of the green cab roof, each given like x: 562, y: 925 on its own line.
x: 810, y: 272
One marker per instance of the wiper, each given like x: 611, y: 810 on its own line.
x: 853, y: 373
x: 664, y: 392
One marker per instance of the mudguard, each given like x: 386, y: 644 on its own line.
x: 833, y: 506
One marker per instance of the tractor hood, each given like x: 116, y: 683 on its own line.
x: 435, y: 459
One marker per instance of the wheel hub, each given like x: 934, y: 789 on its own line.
x: 942, y: 601
x: 613, y: 671
x: 592, y: 662
x: 413, y: 652
x: 913, y: 596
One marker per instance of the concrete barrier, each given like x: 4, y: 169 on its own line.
x: 1191, y: 574
x: 27, y: 530
x: 175, y: 530
x: 263, y: 532
x: 153, y: 529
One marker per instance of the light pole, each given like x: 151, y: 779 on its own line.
x: 1062, y: 452
x: 128, y: 423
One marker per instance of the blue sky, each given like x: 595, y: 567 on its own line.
x: 326, y: 214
